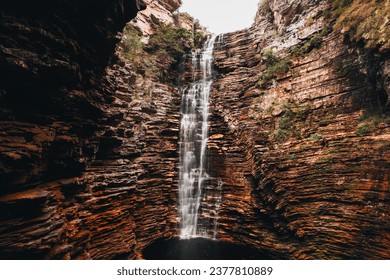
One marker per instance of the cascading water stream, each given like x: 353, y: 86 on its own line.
x: 193, y: 141
x: 200, y: 188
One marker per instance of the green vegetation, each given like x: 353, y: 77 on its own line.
x: 265, y: 10
x: 281, y: 134
x: 274, y: 66
x: 350, y: 67
x: 295, y: 122
x: 314, y: 42
x: 364, y: 20
x: 368, y: 124
x: 328, y: 119
x: 169, y: 43
x: 265, y: 6
x: 166, y: 47
x: 199, y: 37
x: 376, y: 119
x: 339, y: 6
x: 160, y: 55
x: 366, y: 23
x: 285, y: 123
x: 325, y: 13
x: 372, y: 122
x: 316, y: 137
x: 290, y: 124
x: 292, y: 156
x: 363, y: 130
x: 131, y: 44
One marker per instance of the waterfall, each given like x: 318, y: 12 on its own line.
x: 193, y: 142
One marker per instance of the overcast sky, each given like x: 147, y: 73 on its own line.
x: 222, y: 16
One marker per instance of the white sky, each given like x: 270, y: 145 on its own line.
x: 222, y: 16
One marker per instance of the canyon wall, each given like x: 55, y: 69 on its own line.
x: 87, y: 153
x: 299, y: 134
x: 300, y: 137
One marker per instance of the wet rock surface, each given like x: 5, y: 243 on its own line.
x: 305, y: 173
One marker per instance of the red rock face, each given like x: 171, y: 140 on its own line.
x: 305, y: 174
x: 88, y: 156
x: 88, y: 170
x: 134, y: 177
x: 156, y: 13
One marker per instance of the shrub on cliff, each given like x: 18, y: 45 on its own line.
x: 274, y: 66
x: 265, y: 10
x: 364, y: 20
x: 131, y: 45
x: 157, y: 58
x: 168, y: 44
x: 199, y: 34
x: 314, y: 42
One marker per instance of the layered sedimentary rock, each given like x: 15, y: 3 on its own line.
x: 52, y: 69
x: 133, y: 177
x: 304, y: 158
x: 88, y: 155
x: 156, y: 13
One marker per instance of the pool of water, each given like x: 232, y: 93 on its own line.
x: 200, y: 249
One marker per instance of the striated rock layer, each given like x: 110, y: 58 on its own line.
x: 87, y: 155
x: 156, y: 13
x: 304, y: 159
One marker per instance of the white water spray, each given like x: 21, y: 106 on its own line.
x: 194, y: 128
